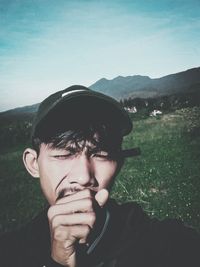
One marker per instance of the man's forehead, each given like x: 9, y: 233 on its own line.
x: 77, y: 139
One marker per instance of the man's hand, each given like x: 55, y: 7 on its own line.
x: 71, y: 220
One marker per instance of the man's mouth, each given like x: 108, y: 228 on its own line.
x: 67, y: 192
x: 62, y: 194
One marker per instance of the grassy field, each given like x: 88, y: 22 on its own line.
x: 165, y: 179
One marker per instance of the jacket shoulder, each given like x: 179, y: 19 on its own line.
x: 148, y: 241
x: 29, y: 242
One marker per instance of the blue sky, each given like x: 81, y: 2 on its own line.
x: 48, y: 45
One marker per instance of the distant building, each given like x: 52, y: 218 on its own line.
x: 131, y: 110
x: 155, y: 112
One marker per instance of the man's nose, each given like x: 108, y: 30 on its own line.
x: 82, y: 171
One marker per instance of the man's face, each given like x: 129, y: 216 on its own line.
x: 66, y: 171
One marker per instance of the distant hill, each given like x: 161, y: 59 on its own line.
x: 130, y: 86
x: 25, y: 109
x: 18, y: 114
x: 145, y: 87
x: 170, y: 92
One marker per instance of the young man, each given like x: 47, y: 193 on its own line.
x: 76, y: 152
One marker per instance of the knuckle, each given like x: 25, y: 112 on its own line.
x: 87, y: 230
x: 88, y: 193
x: 89, y: 204
x: 50, y: 213
x: 83, y: 240
x: 92, y: 218
x: 55, y: 222
x: 58, y: 234
x: 67, y: 244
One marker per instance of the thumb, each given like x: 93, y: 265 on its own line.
x: 102, y: 197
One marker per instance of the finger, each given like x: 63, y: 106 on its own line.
x: 87, y: 218
x: 82, y: 205
x: 73, y: 233
x: 85, y: 193
x: 102, y: 197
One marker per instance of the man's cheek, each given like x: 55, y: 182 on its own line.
x: 48, y: 189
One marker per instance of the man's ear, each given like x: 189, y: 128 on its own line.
x: 31, y: 162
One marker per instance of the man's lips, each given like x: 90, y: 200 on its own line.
x: 69, y: 192
x: 65, y: 192
x: 62, y: 195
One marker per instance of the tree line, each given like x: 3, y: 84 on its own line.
x: 164, y: 103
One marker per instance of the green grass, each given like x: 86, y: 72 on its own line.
x: 165, y: 179
x: 20, y: 197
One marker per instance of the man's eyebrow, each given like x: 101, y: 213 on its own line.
x: 109, y: 152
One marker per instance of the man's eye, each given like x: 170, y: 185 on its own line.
x: 101, y: 155
x: 64, y: 156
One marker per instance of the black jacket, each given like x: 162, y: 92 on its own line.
x: 131, y: 239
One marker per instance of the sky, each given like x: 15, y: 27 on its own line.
x: 48, y: 45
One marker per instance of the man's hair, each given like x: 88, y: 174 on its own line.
x: 101, y: 136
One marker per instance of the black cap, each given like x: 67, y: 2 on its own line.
x: 77, y: 104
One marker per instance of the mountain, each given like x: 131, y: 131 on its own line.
x: 18, y: 114
x: 144, y: 87
x: 130, y: 86
x: 25, y: 109
x: 172, y: 91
